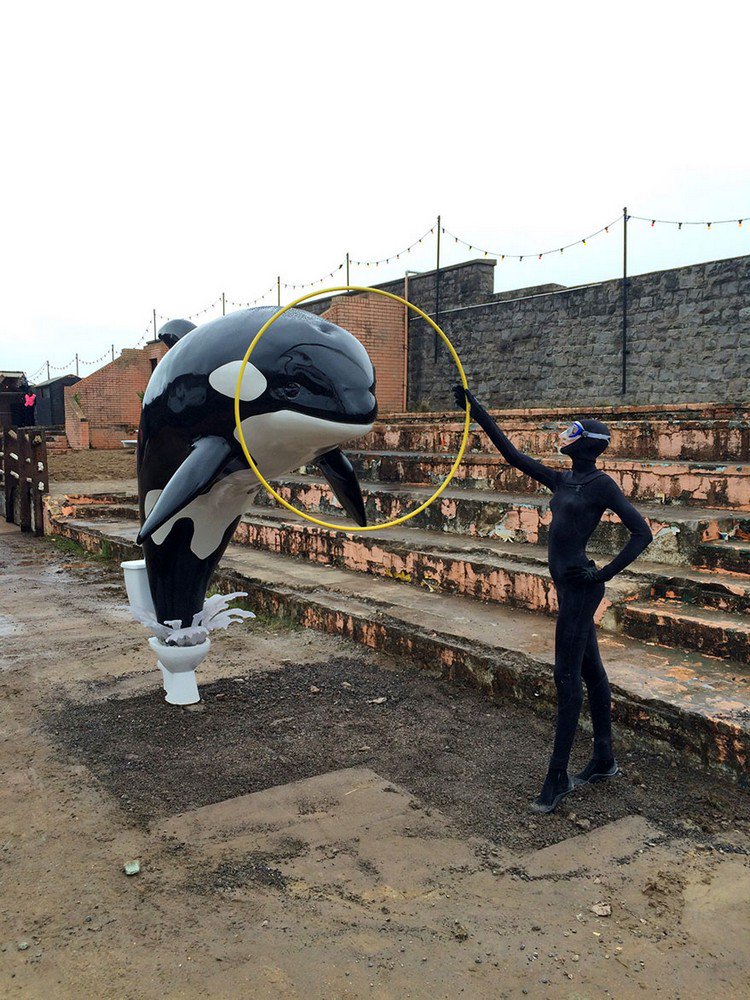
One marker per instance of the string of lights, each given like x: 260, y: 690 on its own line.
x: 223, y: 301
x: 95, y: 361
x: 309, y: 284
x: 395, y: 256
x: 209, y: 307
x: 254, y: 302
x: 144, y: 336
x: 60, y: 368
x: 583, y: 241
x: 194, y: 315
x: 675, y: 222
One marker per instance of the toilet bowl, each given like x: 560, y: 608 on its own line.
x: 178, y: 664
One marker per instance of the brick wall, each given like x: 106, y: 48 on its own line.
x: 380, y: 324
x: 105, y: 407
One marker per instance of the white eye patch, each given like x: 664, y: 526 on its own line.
x: 224, y: 380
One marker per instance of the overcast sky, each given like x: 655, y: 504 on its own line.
x: 156, y: 154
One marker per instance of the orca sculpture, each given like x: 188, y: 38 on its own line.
x: 309, y: 387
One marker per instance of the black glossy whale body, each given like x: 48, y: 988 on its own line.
x: 309, y: 387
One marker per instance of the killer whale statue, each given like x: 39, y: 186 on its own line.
x: 309, y: 387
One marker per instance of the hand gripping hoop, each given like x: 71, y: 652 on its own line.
x: 285, y: 503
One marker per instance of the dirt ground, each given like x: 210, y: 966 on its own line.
x: 326, y: 823
x: 90, y: 465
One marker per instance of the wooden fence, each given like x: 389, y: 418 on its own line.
x: 25, y: 479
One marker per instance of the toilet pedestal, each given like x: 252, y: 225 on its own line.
x: 178, y: 665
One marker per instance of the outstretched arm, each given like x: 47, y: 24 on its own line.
x: 542, y: 473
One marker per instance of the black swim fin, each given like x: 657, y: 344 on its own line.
x: 200, y: 470
x: 342, y: 479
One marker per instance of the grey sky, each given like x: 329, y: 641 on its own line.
x: 158, y: 154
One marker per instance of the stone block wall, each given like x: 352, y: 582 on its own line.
x: 688, y: 339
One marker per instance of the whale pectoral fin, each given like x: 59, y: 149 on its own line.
x: 342, y: 479
x: 200, y: 469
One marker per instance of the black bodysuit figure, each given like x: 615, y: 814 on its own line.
x: 579, y: 498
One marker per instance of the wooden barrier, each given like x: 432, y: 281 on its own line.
x: 25, y: 478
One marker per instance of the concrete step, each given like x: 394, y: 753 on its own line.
x: 513, y: 517
x: 488, y: 570
x: 653, y: 438
x: 57, y: 442
x: 683, y: 535
x: 727, y: 592
x: 512, y: 573
x: 612, y: 415
x: 731, y: 555
x: 673, y: 699
x: 706, y: 484
x: 677, y: 624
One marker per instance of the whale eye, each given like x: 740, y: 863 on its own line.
x: 291, y: 389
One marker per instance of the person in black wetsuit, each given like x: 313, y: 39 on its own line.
x: 579, y: 498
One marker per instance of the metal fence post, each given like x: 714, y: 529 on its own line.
x: 624, y: 300
x: 437, y: 289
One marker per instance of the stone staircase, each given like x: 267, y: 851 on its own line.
x: 57, y: 440
x: 464, y: 586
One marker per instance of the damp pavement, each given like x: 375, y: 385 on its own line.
x: 297, y: 835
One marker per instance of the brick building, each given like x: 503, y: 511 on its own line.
x: 105, y: 407
x: 381, y: 325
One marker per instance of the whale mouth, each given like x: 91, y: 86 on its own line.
x: 323, y: 381
x: 284, y: 440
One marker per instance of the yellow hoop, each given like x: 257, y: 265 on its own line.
x: 285, y: 503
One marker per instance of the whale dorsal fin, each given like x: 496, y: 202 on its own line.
x: 174, y: 330
x: 200, y: 470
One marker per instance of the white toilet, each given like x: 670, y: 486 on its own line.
x: 177, y: 663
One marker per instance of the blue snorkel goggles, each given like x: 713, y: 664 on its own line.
x: 576, y: 430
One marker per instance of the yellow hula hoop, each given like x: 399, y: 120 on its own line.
x: 285, y: 503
